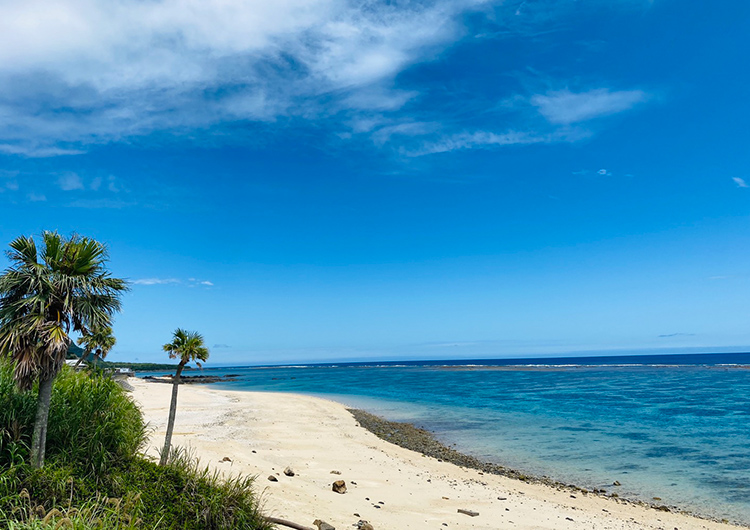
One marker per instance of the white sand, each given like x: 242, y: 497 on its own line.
x: 391, y: 487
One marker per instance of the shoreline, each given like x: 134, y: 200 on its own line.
x: 263, y: 433
x: 409, y: 436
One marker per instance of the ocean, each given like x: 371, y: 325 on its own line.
x: 675, y: 428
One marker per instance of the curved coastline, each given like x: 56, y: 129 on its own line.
x: 409, y: 436
x: 391, y: 486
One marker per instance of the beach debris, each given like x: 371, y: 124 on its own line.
x: 322, y: 525
x: 339, y: 486
x: 273, y: 478
x: 290, y: 524
x: 363, y: 525
x: 616, y: 483
x: 226, y: 459
x: 502, y: 498
x: 568, y: 519
x: 289, y: 472
x: 470, y: 513
x: 335, y: 472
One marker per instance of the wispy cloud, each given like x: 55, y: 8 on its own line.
x: 112, y: 70
x: 75, y: 74
x: 101, y: 203
x: 190, y: 282
x: 486, y: 139
x: 156, y: 281
x: 70, y: 182
x: 670, y: 335
x: 565, y: 107
x: 740, y: 182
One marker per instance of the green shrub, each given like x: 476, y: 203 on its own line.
x: 184, y: 495
x: 95, y: 477
x: 93, y: 424
x: 17, y: 411
x: 99, y: 514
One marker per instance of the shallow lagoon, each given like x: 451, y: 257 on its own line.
x: 677, y: 432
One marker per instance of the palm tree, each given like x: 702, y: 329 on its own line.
x: 187, y: 346
x: 45, y: 294
x: 97, y: 341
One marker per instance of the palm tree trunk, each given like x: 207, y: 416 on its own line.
x: 172, y: 412
x: 39, y: 438
x: 80, y: 359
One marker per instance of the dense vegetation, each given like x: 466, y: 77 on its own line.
x: 74, y: 352
x: 95, y: 476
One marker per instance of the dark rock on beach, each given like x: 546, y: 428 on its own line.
x: 339, y: 486
x: 411, y: 437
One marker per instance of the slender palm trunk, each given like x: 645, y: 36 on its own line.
x: 170, y: 422
x: 39, y: 438
x: 81, y: 358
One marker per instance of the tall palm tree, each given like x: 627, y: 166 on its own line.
x: 187, y: 346
x: 45, y: 294
x: 97, y: 341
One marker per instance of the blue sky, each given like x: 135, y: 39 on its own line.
x: 313, y: 180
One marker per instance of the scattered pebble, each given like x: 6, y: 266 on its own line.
x: 322, y: 525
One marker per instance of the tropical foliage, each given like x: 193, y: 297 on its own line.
x: 97, y: 341
x: 95, y: 476
x: 187, y: 346
x: 46, y: 294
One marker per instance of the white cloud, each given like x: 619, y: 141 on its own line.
x: 101, y: 203
x: 740, y: 182
x: 37, y: 197
x: 82, y: 71
x: 485, y: 139
x: 191, y: 282
x: 564, y: 107
x: 30, y: 149
x: 70, y: 182
x: 156, y: 281
x: 384, y: 134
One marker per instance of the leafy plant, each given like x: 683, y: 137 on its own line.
x: 45, y: 294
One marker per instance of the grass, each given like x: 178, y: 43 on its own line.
x: 95, y: 476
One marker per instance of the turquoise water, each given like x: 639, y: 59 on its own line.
x: 678, y: 432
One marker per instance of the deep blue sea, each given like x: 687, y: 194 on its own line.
x: 675, y: 427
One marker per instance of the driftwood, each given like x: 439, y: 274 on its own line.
x: 290, y: 524
x: 470, y: 513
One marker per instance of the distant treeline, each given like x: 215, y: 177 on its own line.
x: 141, y: 367
x: 75, y: 352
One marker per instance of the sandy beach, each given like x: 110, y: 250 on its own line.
x: 391, y: 487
